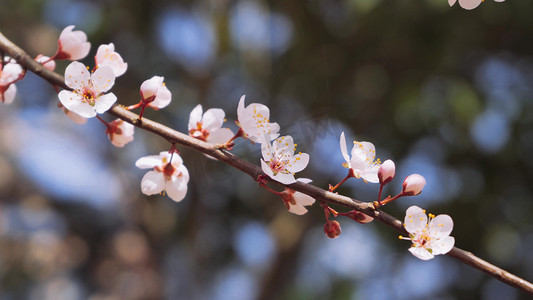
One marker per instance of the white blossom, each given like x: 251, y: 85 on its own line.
x: 155, y: 93
x: 279, y: 161
x: 361, y: 161
x: 87, y: 98
x: 207, y: 127
x: 107, y: 57
x: 168, y: 174
x: 72, y: 45
x: 430, y: 237
x: 254, y: 122
x: 120, y: 133
x: 296, y: 201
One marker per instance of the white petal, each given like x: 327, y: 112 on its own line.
x: 75, y: 117
x: 297, y: 209
x: 371, y: 174
x: 415, y: 219
x: 441, y: 226
x: 220, y: 136
x: 73, y: 102
x: 176, y: 188
x: 195, y: 116
x: 162, y: 98
x: 102, y: 51
x: 103, y: 79
x: 304, y: 180
x: 344, y: 150
x: 370, y: 151
x: 284, y: 178
x: 126, y: 136
x: 298, y: 163
x: 77, y: 76
x: 104, y: 102
x: 266, y: 150
x: 66, y: 32
x: 148, y: 162
x: 452, y: 2
x: 48, y: 64
x: 358, y: 161
x: 10, y: 73
x: 9, y: 94
x: 213, y: 119
x: 240, y: 109
x: 470, y: 4
x: 259, y: 110
x: 272, y: 130
x: 150, y: 87
x: 182, y: 170
x: 421, y: 253
x: 284, y: 146
x: 266, y: 168
x: 153, y: 183
x: 443, y: 245
x: 81, y: 51
x: 303, y: 199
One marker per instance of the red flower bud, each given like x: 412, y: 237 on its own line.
x: 332, y: 229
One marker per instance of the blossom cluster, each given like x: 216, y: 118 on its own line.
x: 10, y: 72
x: 90, y: 95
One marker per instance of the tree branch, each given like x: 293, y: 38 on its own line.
x: 173, y: 136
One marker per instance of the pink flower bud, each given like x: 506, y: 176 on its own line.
x: 332, y: 229
x: 155, y: 92
x: 72, y: 45
x: 9, y: 74
x: 120, y: 133
x: 46, y: 62
x: 413, y: 185
x: 386, y: 172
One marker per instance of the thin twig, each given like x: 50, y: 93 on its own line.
x: 173, y: 136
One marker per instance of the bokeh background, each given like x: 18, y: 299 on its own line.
x: 442, y: 91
